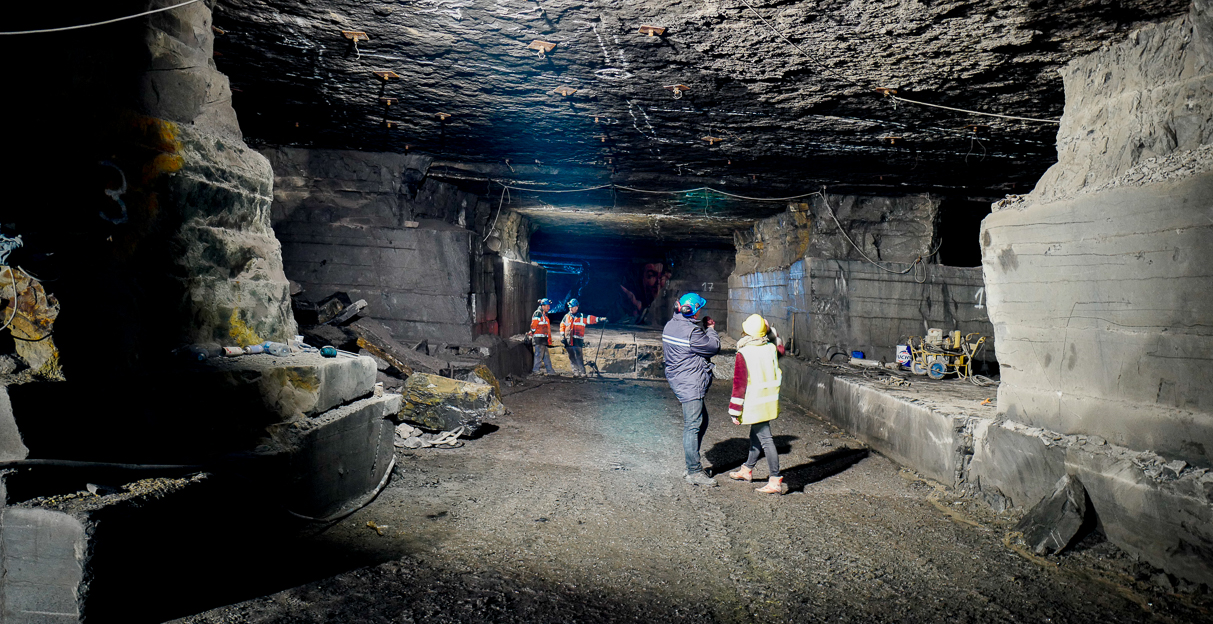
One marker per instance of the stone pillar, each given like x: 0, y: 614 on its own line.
x: 141, y: 208
x: 226, y: 259
x: 1099, y: 287
x: 1098, y: 281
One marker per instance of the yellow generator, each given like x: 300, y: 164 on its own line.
x: 937, y: 356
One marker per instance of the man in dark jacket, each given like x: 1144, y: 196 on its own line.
x: 687, y: 350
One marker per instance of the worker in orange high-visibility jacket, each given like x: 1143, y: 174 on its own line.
x: 541, y: 336
x: 572, y: 332
x: 755, y: 402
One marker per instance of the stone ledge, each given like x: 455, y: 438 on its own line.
x: 290, y: 388
x: 1163, y: 515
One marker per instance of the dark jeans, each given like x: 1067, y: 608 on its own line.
x: 574, y: 352
x: 541, y: 355
x: 694, y: 426
x: 762, y: 442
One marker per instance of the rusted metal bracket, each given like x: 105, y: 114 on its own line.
x: 678, y: 90
x: 386, y: 75
x: 387, y: 101
x: 566, y: 91
x: 652, y: 31
x: 443, y: 116
x: 712, y: 140
x: 541, y: 47
x: 355, y: 35
x: 886, y: 91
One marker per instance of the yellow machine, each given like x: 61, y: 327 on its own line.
x: 937, y: 356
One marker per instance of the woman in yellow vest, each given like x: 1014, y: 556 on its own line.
x: 755, y: 402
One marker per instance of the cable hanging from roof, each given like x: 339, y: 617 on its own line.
x: 857, y: 83
x: 919, y: 261
x: 707, y: 189
x: 111, y: 21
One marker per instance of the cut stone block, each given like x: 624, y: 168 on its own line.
x: 339, y: 456
x: 442, y: 404
x: 292, y: 387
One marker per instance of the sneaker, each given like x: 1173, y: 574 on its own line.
x: 700, y: 478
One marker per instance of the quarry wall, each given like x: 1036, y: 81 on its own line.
x: 370, y: 224
x: 1097, y: 286
x: 829, y: 307
x: 800, y: 271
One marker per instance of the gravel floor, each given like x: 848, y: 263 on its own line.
x: 574, y: 510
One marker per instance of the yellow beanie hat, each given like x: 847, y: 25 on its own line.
x: 755, y: 326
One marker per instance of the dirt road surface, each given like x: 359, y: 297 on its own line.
x: 574, y: 510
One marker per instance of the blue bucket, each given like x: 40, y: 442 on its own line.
x: 857, y: 355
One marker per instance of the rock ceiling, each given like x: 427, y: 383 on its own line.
x: 760, y: 117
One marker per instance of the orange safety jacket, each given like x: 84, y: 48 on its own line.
x: 573, y: 327
x: 541, y: 326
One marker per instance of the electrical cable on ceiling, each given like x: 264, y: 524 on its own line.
x: 823, y: 67
x: 913, y: 265
x: 811, y: 57
x: 652, y: 192
x: 117, y: 19
x: 961, y: 110
x: 504, y: 189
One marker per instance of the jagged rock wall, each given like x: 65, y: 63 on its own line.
x: 1098, y: 281
x: 1132, y: 103
x: 139, y: 201
x: 886, y: 229
x: 227, y: 259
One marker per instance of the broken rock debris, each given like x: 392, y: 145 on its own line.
x: 1055, y: 522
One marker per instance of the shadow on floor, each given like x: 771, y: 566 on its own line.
x: 728, y: 454
x: 822, y: 467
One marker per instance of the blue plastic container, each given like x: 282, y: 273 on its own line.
x: 857, y: 355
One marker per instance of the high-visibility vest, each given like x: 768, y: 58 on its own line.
x: 573, y: 325
x: 541, y: 326
x: 762, y: 388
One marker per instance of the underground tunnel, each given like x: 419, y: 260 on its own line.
x: 443, y: 310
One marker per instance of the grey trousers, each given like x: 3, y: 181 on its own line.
x: 694, y: 426
x: 541, y: 356
x: 761, y: 441
x: 574, y: 352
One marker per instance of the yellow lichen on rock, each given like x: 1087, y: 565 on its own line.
x: 444, y: 404
x: 240, y: 331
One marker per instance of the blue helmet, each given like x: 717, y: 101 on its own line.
x: 690, y: 304
x: 545, y: 302
x: 573, y: 303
